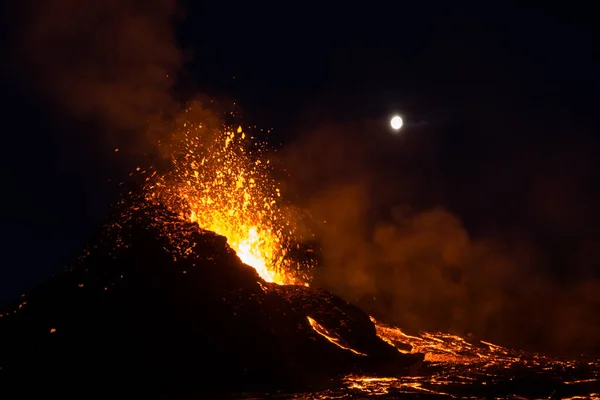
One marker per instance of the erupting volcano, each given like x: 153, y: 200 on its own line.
x: 217, y: 182
x: 191, y: 286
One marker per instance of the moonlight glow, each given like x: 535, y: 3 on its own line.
x: 396, y: 122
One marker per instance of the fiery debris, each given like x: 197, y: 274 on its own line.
x: 217, y: 182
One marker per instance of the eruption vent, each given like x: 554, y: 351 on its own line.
x: 217, y: 182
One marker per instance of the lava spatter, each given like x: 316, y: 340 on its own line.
x: 218, y: 183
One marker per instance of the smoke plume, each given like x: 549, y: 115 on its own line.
x: 79, y: 78
x: 111, y: 62
x: 391, y: 221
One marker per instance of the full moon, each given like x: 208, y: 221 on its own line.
x: 396, y: 122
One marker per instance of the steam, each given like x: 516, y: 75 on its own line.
x: 390, y: 243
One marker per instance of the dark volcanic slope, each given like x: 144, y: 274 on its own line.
x: 157, y: 304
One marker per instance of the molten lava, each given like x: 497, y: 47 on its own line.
x: 219, y: 184
x: 332, y: 338
x: 452, y: 361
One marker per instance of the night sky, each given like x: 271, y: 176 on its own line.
x: 499, y: 155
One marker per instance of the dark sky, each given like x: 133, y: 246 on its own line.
x: 499, y: 102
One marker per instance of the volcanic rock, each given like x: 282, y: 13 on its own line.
x: 157, y: 304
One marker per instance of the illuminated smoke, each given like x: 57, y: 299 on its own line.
x: 111, y: 62
x: 390, y: 241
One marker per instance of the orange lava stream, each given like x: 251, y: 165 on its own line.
x: 335, y: 339
x: 453, y: 361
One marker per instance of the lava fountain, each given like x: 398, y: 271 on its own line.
x: 219, y: 183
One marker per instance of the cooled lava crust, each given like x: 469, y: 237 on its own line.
x: 133, y: 313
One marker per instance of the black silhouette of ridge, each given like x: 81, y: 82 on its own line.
x: 157, y: 304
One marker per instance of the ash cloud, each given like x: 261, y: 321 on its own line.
x: 511, y: 258
x: 80, y: 78
x: 110, y: 63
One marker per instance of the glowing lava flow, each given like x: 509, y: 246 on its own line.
x: 335, y: 339
x: 216, y: 182
x: 451, y: 362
